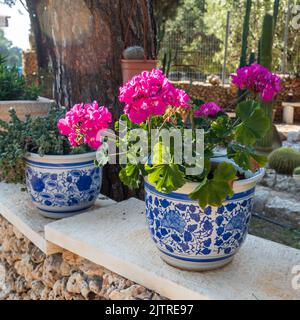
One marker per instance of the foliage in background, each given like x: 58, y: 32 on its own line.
x: 39, y: 135
x: 8, y: 2
x: 13, y: 86
x: 13, y: 54
x: 197, y: 33
x: 191, y: 42
x: 164, y: 10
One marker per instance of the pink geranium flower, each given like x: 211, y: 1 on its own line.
x: 258, y: 80
x: 207, y: 110
x: 150, y: 93
x: 83, y: 123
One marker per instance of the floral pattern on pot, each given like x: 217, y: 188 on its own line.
x: 61, y: 190
x: 195, y: 239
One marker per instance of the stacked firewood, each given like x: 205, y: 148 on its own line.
x: 226, y: 95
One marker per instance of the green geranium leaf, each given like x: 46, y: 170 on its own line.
x: 221, y: 129
x: 245, y: 157
x: 131, y: 175
x: 214, y: 191
x: 166, y: 177
x: 260, y: 159
x: 254, y: 123
x: 161, y: 154
x: 246, y: 108
x: 102, y: 155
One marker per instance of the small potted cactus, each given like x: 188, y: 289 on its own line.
x: 135, y: 61
x: 284, y: 161
x: 296, y: 174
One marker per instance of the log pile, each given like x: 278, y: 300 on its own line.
x: 223, y: 95
x: 226, y: 95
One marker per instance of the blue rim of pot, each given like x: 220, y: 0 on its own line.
x: 60, y: 161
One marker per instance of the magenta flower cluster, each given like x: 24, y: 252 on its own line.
x: 150, y: 93
x: 258, y: 80
x: 209, y: 109
x: 83, y: 123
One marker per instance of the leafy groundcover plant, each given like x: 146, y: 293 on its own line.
x: 39, y: 135
x: 152, y: 102
x: 13, y: 86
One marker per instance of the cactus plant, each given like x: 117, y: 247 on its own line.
x: 134, y: 53
x: 167, y: 60
x: 252, y: 58
x: 265, y: 57
x: 297, y: 171
x: 284, y: 160
x: 276, y: 11
x: 266, y: 44
x: 243, y: 60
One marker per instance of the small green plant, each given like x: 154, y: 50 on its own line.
x: 39, y: 135
x: 13, y: 86
x: 134, y: 53
x: 297, y: 171
x: 284, y: 160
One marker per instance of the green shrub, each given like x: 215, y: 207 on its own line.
x: 284, y: 160
x: 13, y: 86
x: 39, y: 135
x: 297, y: 171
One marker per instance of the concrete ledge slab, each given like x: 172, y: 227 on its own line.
x: 117, y: 238
x: 17, y: 208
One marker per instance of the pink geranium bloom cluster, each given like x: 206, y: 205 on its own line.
x: 207, y: 110
x: 258, y: 80
x: 83, y: 123
x: 150, y: 93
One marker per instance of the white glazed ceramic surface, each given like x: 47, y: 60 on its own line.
x: 62, y: 186
x: 191, y: 238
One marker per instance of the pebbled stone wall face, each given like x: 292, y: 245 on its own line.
x: 27, y: 274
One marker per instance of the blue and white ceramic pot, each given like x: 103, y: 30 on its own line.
x: 62, y: 186
x: 193, y: 239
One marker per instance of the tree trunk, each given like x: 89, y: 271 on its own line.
x: 82, y: 42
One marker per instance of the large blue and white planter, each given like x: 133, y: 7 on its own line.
x: 62, y: 186
x: 193, y: 239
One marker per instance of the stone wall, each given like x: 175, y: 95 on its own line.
x: 27, y: 274
x: 225, y: 95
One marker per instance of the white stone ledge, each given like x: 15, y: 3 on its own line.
x: 16, y: 207
x: 117, y: 238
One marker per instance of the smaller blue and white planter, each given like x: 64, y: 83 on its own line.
x: 193, y: 239
x: 62, y: 186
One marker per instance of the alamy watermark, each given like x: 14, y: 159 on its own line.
x: 184, y: 147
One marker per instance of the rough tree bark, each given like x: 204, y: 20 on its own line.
x: 81, y: 41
